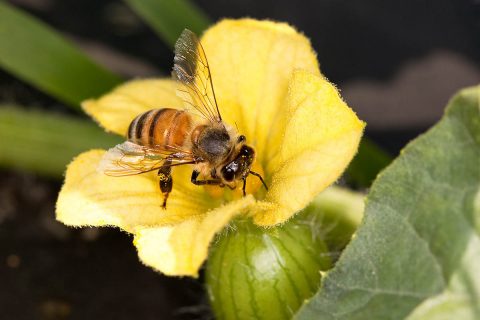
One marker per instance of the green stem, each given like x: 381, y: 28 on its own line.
x: 341, y: 202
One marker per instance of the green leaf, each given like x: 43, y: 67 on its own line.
x: 417, y: 252
x: 169, y: 17
x: 366, y: 165
x: 34, y: 52
x: 45, y: 143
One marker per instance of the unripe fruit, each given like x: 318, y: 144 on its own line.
x: 258, y: 273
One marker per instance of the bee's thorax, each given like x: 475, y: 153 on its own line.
x: 211, y: 143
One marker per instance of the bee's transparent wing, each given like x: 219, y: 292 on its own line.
x: 192, y: 71
x: 129, y: 158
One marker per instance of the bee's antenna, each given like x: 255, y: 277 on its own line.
x: 260, y: 177
x: 236, y: 125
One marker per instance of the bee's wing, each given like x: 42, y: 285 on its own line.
x: 191, y: 69
x: 129, y: 158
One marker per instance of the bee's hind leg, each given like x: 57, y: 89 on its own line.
x: 166, y: 182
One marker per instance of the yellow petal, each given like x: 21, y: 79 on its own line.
x: 115, y: 110
x: 251, y: 63
x: 320, y: 139
x: 181, y: 249
x: 90, y: 198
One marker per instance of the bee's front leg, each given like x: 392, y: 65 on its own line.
x: 194, y: 180
x: 166, y: 182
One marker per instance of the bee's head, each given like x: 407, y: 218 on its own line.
x: 239, y: 167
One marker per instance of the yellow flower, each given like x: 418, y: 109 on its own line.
x: 268, y: 84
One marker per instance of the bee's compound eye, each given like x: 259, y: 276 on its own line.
x: 241, y: 138
x: 228, y: 172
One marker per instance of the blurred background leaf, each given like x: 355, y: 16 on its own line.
x: 369, y: 161
x: 169, y: 17
x: 36, y: 53
x: 45, y: 143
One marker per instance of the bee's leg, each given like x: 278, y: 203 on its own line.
x: 194, y: 180
x: 244, y: 186
x: 166, y: 182
x: 260, y: 177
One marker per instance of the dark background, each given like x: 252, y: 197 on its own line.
x: 396, y: 62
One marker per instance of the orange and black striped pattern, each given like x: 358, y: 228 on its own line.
x: 160, y: 128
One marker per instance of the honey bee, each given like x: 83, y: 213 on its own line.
x: 160, y: 139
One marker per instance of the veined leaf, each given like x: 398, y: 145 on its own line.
x: 34, y: 52
x: 169, y: 17
x: 417, y: 252
x: 46, y: 143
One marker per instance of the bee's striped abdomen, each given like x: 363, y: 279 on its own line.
x: 160, y: 128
